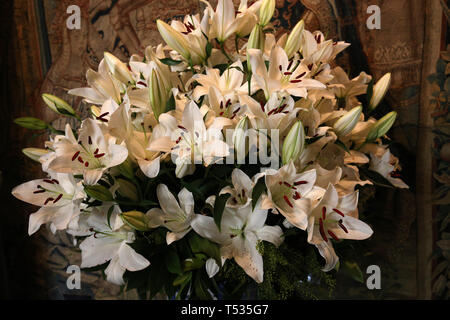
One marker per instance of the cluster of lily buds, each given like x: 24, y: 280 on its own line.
x: 186, y: 106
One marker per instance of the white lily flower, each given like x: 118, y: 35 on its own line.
x: 331, y: 219
x: 102, y: 86
x: 387, y: 166
x: 227, y: 83
x: 241, y: 191
x: 212, y: 268
x: 346, y: 89
x: 118, y: 69
x: 348, y: 122
x: 315, y: 49
x: 287, y: 193
x: 59, y: 197
x: 293, y: 42
x: 241, y: 229
x: 266, y: 11
x: 379, y: 91
x: 191, y: 143
x: 282, y: 76
x: 91, y: 155
x: 106, y: 244
x: 173, y: 215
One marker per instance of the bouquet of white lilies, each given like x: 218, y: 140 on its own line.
x: 200, y: 150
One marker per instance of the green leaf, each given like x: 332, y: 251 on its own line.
x: 110, y: 211
x: 200, y: 289
x: 202, y: 245
x: 194, y: 263
x: 352, y: 270
x: 342, y: 145
x: 31, y: 123
x: 182, y: 279
x: 173, y: 262
x: 98, y: 192
x: 208, y: 50
x: 219, y: 206
x: 170, y: 105
x: 258, y: 189
x: 126, y: 169
x: 170, y: 62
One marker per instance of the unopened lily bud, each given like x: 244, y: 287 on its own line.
x: 382, y: 126
x: 127, y: 189
x: 347, y: 122
x: 136, y: 219
x: 31, y: 123
x: 266, y: 12
x: 255, y: 41
x: 294, y: 143
x: 174, y: 39
x: 58, y: 105
x: 379, y: 91
x: 35, y: 153
x: 118, y: 69
x: 239, y: 139
x: 294, y: 40
x: 159, y: 95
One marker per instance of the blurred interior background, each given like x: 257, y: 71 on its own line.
x: 40, y: 54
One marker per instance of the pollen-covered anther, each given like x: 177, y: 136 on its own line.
x: 296, y: 81
x: 341, y: 225
x: 286, y: 199
x: 322, y: 230
x: 99, y: 155
x: 58, y: 198
x: 297, y: 196
x: 48, y: 200
x: 39, y: 191
x: 80, y: 159
x: 48, y: 181
x: 75, y: 156
x: 324, y: 213
x: 297, y: 183
x: 331, y: 233
x: 339, y: 212
x: 86, y: 164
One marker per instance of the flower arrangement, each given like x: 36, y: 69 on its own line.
x: 196, y: 156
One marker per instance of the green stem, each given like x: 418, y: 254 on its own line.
x: 222, y: 48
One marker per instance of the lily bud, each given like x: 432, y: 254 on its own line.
x: 294, y: 40
x: 266, y: 12
x: 31, y: 123
x: 159, y: 94
x: 382, y: 126
x: 58, y: 105
x: 118, y: 69
x: 174, y: 39
x: 35, y: 153
x: 127, y: 189
x: 294, y: 143
x: 379, y: 91
x: 136, y: 219
x: 347, y: 122
x: 256, y: 40
x: 239, y: 140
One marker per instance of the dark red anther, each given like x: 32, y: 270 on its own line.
x: 75, y: 155
x: 58, y: 198
x: 89, y: 140
x: 324, y: 213
x: 296, y: 81
x: 263, y: 107
x: 297, y: 195
x: 300, y: 75
x: 271, y: 111
x: 221, y: 114
x: 243, y: 193
x: 99, y: 155
x: 80, y: 159
x: 287, y: 184
x: 287, y: 73
x: 221, y: 104
x: 48, y: 181
x: 55, y: 181
x: 287, y: 201
x: 39, y: 191
x: 280, y: 109
x: 86, y: 164
x: 280, y: 67
x: 331, y: 233
x: 338, y: 212
x: 290, y: 64
x: 48, y: 200
x: 310, y: 66
x: 228, y: 103
x: 182, y: 128
x: 237, y: 110
x: 297, y: 183
x: 280, y: 183
x: 142, y: 83
x: 322, y: 230
x: 342, y: 226
x: 178, y: 140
